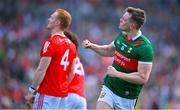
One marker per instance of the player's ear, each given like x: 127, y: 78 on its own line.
x: 132, y: 26
x: 57, y: 22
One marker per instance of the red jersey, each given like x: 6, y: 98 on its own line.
x: 62, y: 52
x: 77, y: 84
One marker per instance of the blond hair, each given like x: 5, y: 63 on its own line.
x: 65, y: 18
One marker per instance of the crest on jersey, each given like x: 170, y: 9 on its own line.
x: 129, y: 50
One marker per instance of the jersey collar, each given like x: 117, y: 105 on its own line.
x: 59, y: 34
x: 139, y: 34
x: 134, y: 38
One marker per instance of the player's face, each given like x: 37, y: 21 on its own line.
x: 124, y: 24
x: 53, y: 21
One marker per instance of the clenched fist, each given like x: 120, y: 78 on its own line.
x: 86, y: 44
x: 111, y: 71
x: 29, y: 100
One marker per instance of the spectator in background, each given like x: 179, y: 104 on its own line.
x: 133, y: 56
x: 58, y: 54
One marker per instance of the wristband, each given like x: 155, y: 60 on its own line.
x: 32, y: 90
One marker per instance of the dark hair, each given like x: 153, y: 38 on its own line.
x: 138, y: 16
x: 65, y: 17
x: 72, y: 37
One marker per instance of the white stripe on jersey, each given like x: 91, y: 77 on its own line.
x: 144, y: 62
x: 112, y: 43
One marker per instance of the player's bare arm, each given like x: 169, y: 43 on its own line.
x: 140, y: 77
x: 103, y: 50
x: 39, y: 76
x: 40, y: 71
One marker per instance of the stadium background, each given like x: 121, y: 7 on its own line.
x: 22, y: 32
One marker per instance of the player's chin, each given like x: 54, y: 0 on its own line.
x: 48, y: 28
x: 120, y: 27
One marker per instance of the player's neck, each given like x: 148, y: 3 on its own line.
x: 132, y: 33
x: 57, y: 31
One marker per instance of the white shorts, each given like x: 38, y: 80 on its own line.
x: 76, y: 102
x: 114, y: 101
x: 49, y: 102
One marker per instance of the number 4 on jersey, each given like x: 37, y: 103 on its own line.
x: 64, y: 60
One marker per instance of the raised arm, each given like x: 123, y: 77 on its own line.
x: 103, y: 50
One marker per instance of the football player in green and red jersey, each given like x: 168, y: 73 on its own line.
x: 133, y: 56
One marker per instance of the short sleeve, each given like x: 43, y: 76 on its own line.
x: 112, y: 43
x: 146, y: 54
x: 46, y: 50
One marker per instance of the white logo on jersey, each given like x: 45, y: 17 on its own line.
x: 118, y: 42
x: 46, y: 45
x: 64, y: 40
x: 123, y: 45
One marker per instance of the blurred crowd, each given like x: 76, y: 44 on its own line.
x: 22, y: 32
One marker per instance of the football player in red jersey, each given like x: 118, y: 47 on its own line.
x: 52, y: 76
x: 76, y: 96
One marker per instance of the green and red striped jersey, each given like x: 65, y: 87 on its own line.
x: 128, y: 53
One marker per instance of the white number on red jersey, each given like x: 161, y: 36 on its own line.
x: 64, y: 60
x: 78, y: 69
